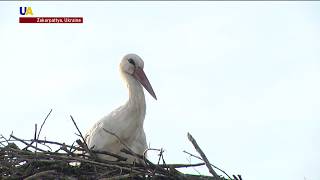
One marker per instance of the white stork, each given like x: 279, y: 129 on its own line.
x: 126, y: 121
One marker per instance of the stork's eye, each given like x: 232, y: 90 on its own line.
x: 131, y: 61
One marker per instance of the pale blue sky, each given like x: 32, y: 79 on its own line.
x: 242, y: 77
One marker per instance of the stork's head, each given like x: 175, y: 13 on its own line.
x: 133, y: 65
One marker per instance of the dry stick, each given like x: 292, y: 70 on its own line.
x: 5, y: 140
x: 132, y: 153
x: 2, y: 144
x: 40, y: 174
x: 119, y: 139
x: 189, y: 160
x: 144, y: 155
x: 43, y: 123
x: 10, y: 135
x: 35, y: 134
x: 144, y: 158
x: 237, y: 177
x: 64, y: 147
x: 41, y: 141
x: 129, y: 151
x: 124, y: 176
x: 29, y: 145
x: 163, y: 162
x: 149, y: 149
x: 164, y: 165
x: 35, y: 131
x: 84, y: 141
x: 72, y: 146
x: 108, y: 173
x: 120, y: 158
x: 180, y: 165
x: 147, y: 162
x: 45, y: 119
x: 210, y: 164
x: 160, y: 155
x: 205, y: 159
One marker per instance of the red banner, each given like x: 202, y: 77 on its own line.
x: 50, y: 19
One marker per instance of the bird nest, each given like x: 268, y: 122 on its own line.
x: 44, y: 159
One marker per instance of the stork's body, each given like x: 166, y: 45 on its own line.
x: 127, y: 120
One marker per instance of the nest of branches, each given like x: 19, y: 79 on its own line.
x: 44, y: 159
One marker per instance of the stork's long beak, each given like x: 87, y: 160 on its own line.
x: 142, y: 78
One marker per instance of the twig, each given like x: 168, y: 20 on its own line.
x: 131, y: 152
x: 163, y: 161
x: 84, y: 141
x: 180, y: 165
x: 160, y: 155
x: 193, y: 155
x: 35, y: 131
x: 205, y: 159
x: 120, y: 158
x: 40, y: 174
x: 35, y: 134
x: 5, y: 139
x: 189, y: 160
x: 237, y: 177
x: 119, y: 139
x: 72, y: 147
x: 64, y: 147
x: 29, y: 145
x: 147, y: 162
x: 210, y: 164
x: 36, y: 137
x: 124, y: 176
x: 45, y: 119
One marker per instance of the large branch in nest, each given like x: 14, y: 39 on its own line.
x: 204, y: 157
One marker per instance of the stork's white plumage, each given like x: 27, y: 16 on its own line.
x: 127, y: 120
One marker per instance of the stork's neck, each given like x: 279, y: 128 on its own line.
x: 136, y: 102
